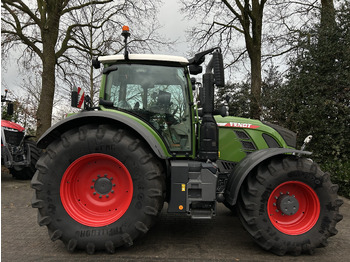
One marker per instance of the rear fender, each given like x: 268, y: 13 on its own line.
x: 244, y: 167
x: 102, y: 117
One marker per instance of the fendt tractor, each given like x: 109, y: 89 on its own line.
x: 18, y: 151
x: 107, y: 170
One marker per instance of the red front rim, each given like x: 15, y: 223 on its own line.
x: 96, y: 190
x: 293, y: 208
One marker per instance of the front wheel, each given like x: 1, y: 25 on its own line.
x: 98, y: 188
x: 27, y: 172
x: 289, y: 205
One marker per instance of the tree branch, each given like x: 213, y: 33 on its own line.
x: 19, y: 31
x: 78, y: 7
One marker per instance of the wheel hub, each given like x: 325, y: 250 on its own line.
x: 288, y: 205
x: 103, y: 185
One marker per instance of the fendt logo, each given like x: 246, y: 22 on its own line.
x: 240, y: 125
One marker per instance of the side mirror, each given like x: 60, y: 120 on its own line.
x: 74, y: 97
x: 222, y: 111
x: 195, y: 69
x: 218, y: 65
x: 10, y: 109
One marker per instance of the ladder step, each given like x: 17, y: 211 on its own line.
x: 202, y: 213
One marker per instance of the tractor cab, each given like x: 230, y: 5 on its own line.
x: 155, y: 89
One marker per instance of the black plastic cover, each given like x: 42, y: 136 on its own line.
x: 289, y: 136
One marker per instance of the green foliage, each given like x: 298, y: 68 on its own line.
x: 4, y: 114
x: 22, y: 115
x: 341, y: 175
x: 273, y: 101
x: 4, y: 111
x: 238, y: 98
x: 317, y: 96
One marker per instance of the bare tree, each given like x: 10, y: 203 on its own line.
x: 287, y: 30
x: 46, y: 30
x: 222, y: 21
x: 102, y: 37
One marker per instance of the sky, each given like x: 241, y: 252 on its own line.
x: 173, y: 27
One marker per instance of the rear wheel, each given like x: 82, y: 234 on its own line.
x: 289, y: 205
x: 98, y: 188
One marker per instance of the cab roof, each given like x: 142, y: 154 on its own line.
x: 144, y: 57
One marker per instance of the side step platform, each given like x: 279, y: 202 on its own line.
x: 193, y: 188
x: 202, y: 213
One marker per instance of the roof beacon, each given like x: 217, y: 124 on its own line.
x: 126, y: 34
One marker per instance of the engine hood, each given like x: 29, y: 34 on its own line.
x: 12, y: 125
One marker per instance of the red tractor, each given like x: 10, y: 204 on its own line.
x: 18, y: 152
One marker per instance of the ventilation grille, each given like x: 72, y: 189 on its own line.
x: 228, y: 165
x: 13, y: 137
x: 241, y: 135
x: 247, y: 145
x: 270, y: 141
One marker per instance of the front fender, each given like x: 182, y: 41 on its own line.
x: 244, y: 167
x: 103, y: 117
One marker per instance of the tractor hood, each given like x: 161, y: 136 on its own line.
x: 288, y: 136
x: 12, y: 125
x: 238, y: 122
x: 241, y: 136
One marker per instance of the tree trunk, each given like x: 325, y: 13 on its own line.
x: 92, y: 89
x: 255, y: 65
x: 327, y: 14
x: 253, y: 44
x: 44, y: 113
x: 49, y: 35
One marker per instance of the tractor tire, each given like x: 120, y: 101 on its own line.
x: 98, y: 188
x: 27, y: 172
x: 288, y: 205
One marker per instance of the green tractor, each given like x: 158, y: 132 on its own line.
x: 107, y: 171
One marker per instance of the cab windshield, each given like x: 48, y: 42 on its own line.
x: 158, y: 95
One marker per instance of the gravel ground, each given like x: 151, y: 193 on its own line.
x: 173, y: 238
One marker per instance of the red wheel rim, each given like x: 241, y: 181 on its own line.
x: 96, y: 190
x: 293, y: 208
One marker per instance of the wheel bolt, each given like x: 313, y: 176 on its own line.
x: 94, y: 180
x: 113, y: 184
x: 106, y: 175
x: 91, y: 187
x: 100, y: 196
x: 107, y: 196
x: 94, y: 193
x: 112, y: 191
x: 111, y: 178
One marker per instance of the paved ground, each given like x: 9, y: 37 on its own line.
x: 174, y: 238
